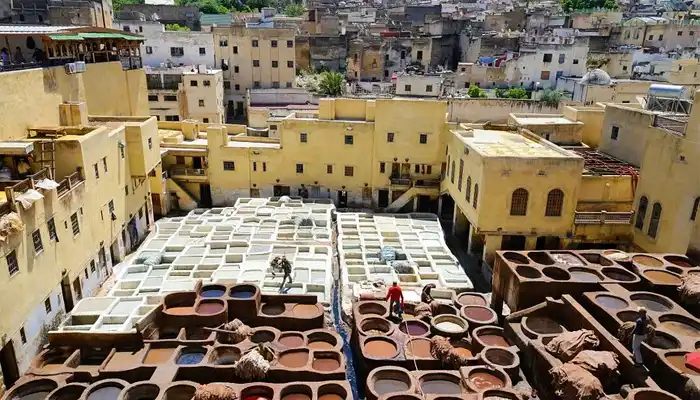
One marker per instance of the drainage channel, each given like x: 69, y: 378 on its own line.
x: 337, y: 322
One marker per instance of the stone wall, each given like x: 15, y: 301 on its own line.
x: 493, y: 110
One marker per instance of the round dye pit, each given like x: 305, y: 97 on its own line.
x: 272, y: 309
x: 484, y: 380
x: 212, y: 291
x: 72, y: 391
x: 321, y: 341
x: 647, y: 261
x: 663, y: 341
x: 294, y: 359
x: 242, y: 291
x: 495, y: 394
x: 478, y: 313
x: 291, y: 341
x: 385, y: 386
x: 180, y: 310
x: 375, y: 326
x: 371, y: 309
x: 515, y: 258
x: 449, y: 324
x: 500, y: 357
x: 296, y: 396
x: 543, y: 325
x: 681, y: 325
x: 651, y: 302
x: 651, y: 394
x: 262, y: 336
x: 190, y: 358
x: 470, y: 299
x: 142, y: 391
x: 224, y: 356
x: 380, y: 348
x: 40, y: 395
x: 325, y: 364
x: 158, y: 356
x: 305, y: 310
x: 440, y: 385
x: 462, y: 348
x: 105, y: 393
x: 567, y: 259
x: 331, y: 392
x: 682, y: 262
x: 540, y: 257
x: 660, y: 277
x: 414, y: 328
x: 32, y: 390
x: 418, y: 348
x: 612, y: 302
x: 618, y: 274
x: 677, y: 360
x: 528, y: 272
x: 296, y: 392
x: 257, y: 393
x: 616, y: 255
x: 627, y: 316
x: 321, y: 345
x: 595, y: 258
x: 493, y: 339
x: 556, y: 273
x: 209, y: 307
x: 584, y: 275
x: 675, y: 270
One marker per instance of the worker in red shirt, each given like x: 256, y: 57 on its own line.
x: 395, y: 297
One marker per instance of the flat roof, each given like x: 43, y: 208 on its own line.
x: 535, y: 120
x: 492, y: 143
x: 599, y: 163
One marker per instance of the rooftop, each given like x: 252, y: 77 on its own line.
x: 598, y: 163
x: 491, y: 143
x: 542, y: 119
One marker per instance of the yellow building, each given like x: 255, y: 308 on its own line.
x: 76, y: 192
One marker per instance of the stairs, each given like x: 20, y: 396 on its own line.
x: 408, y: 196
x: 186, y: 199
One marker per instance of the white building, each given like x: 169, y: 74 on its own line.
x: 419, y: 85
x: 543, y: 63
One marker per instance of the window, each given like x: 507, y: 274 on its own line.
x: 201, y: 103
x: 275, y: 64
x: 680, y: 33
x: 149, y: 50
x: 276, y: 84
x: 52, y: 229
x: 655, y: 219
x: 47, y: 305
x: 300, y: 168
x: 575, y: 62
x: 544, y: 75
x: 23, y: 335
x: 518, y: 203
x: 547, y: 58
x: 194, y: 83
x: 290, y: 64
x: 452, y: 172
x: 476, y: 194
x: 223, y: 42
x: 172, y: 118
x: 207, y: 82
x: 177, y: 51
x: 97, y: 170
x: 12, y: 264
x: 349, y: 171
x: 170, y: 97
x: 423, y: 138
x: 429, y: 169
x: 150, y: 145
x: 303, y: 137
x: 288, y: 84
x: 624, y: 68
x: 691, y: 33
x: 407, y: 88
x: 641, y: 212
x: 390, y: 137
x: 555, y: 202
x: 562, y: 58
x: 461, y: 175
x: 428, y: 88
x: 92, y: 264
x: 419, y: 55
x: 349, y: 139
x: 126, y: 190
x: 202, y: 51
x: 468, y: 193
x: 290, y: 44
x: 651, y: 37
x: 256, y: 63
x: 36, y: 238
x: 235, y: 68
x: 614, y: 132
x: 104, y: 162
x: 382, y: 168
x: 227, y: 85
x: 694, y: 213
x: 237, y: 87
x: 205, y: 120
x: 273, y: 43
x: 229, y: 166
x: 87, y: 274
x: 255, y: 43
x: 273, y: 127
x: 416, y: 169
x: 264, y: 166
x: 75, y: 224
x: 110, y: 206
x: 329, y: 169
x: 235, y: 51
x: 661, y: 37
x: 152, y: 97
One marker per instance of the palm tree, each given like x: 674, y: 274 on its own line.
x: 331, y: 83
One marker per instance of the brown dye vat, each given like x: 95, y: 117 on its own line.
x: 330, y: 396
x: 294, y: 359
x: 108, y: 392
x: 478, y: 313
x: 499, y: 356
x: 543, y: 325
x: 371, y: 309
x: 647, y: 261
x: 292, y: 341
x: 262, y: 337
x: 305, y: 310
x: 679, y: 261
x: 662, y: 277
x: 681, y: 328
x: 650, y: 394
x: 464, y: 352
x: 467, y: 299
x: 332, y: 392
x: 180, y: 310
x: 158, y: 356
x: 611, y: 302
x: 384, y: 386
x: 540, y: 257
x: 325, y: 364
x: 583, y: 275
x: 618, y: 274
x: 209, y: 308
x: 272, y: 309
x: 413, y: 328
x: 379, y: 348
x: 296, y: 396
x: 528, y: 272
x: 627, y: 316
x: 663, y: 341
x: 515, y: 258
x: 651, y: 302
x: 122, y: 360
x: 440, y: 386
x: 418, y: 348
x: 484, y: 380
x: 71, y: 391
x: 494, y: 340
x: 320, y: 345
x: 678, y: 361
x: 556, y: 273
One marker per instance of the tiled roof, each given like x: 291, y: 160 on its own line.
x: 215, y: 19
x: 33, y: 29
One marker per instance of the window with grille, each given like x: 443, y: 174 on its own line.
x: 202, y: 51
x: 423, y: 138
x: 349, y: 139
x: 47, y: 305
x: 641, y: 212
x: 12, y: 264
x: 303, y: 137
x: 655, y: 220
x: 75, y: 224
x: 468, y: 194
x: 273, y: 43
x: 152, y: 97
x: 461, y: 175
x: 177, y: 51
x: 97, y: 171
x: 694, y: 213
x: 170, y: 98
x: 52, y: 229
x: 229, y: 166
x: 150, y: 143
x: 92, y: 266
x: 390, y: 137
x: 290, y: 43
x: 382, y: 167
x: 290, y: 64
x: 452, y: 172
x: 36, y: 238
x: 555, y: 202
x: 275, y: 64
x: 255, y: 43
x: 476, y: 194
x: 518, y: 205
x: 256, y: 63
x: 349, y: 171
x: 300, y: 168
x: 329, y: 169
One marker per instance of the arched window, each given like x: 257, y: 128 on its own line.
x: 555, y: 202
x: 655, y: 219
x: 469, y: 189
x: 641, y: 212
x: 518, y: 204
x: 694, y: 213
x: 452, y: 172
x: 476, y: 194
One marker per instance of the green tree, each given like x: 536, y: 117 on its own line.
x: 551, y: 98
x: 176, y: 27
x: 500, y: 93
x: 256, y: 5
x: 476, y: 92
x: 294, y: 10
x: 516, y: 93
x: 117, y: 4
x: 212, y: 7
x: 578, y: 5
x: 331, y: 83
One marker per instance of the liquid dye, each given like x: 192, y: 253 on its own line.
x: 380, y: 349
x: 325, y: 364
x: 384, y: 386
x: 440, y: 387
x: 320, y: 345
x: 494, y: 340
x: 190, y: 358
x: 413, y: 328
x: 105, y: 393
x: 614, y: 303
x: 479, y: 313
x: 484, y: 380
x: 295, y: 359
x: 291, y: 341
x: 245, y: 294
x: 213, y: 292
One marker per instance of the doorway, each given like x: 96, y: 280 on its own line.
x: 383, y: 198
x: 279, y: 190
x: 405, y: 170
x: 547, y: 243
x: 254, y: 193
x: 342, y: 199
x: 395, y: 173
x: 8, y: 364
x: 197, y: 162
x: 513, y: 242
x: 67, y: 295
x: 205, y: 195
x: 78, y: 289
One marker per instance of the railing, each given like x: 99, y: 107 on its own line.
x: 25, y: 184
x: 70, y: 182
x: 163, y: 86
x: 401, y: 181
x: 430, y: 183
x: 131, y: 62
x: 603, y: 218
x: 182, y: 171
x: 672, y: 124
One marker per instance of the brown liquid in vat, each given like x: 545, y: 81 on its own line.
x: 296, y: 396
x: 478, y: 313
x: 484, y: 380
x: 681, y: 328
x: 272, y: 309
x: 384, y: 386
x: 662, y: 277
x: 584, y: 276
x: 180, y: 310
x: 647, y: 261
x: 471, y: 300
x: 380, y: 349
x: 494, y: 340
x: 158, y: 356
x: 418, y: 348
x: 325, y: 364
x: 295, y: 359
x: 320, y: 345
x: 543, y: 325
x: 209, y: 308
x: 464, y: 352
x: 331, y: 396
x: 440, y: 387
x: 292, y: 341
x: 614, y: 303
x: 305, y: 310
x: 678, y: 361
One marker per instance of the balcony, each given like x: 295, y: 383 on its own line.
x: 182, y: 173
x: 603, y: 218
x: 70, y: 182
x: 163, y: 86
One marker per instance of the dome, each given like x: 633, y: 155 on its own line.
x: 596, y: 77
